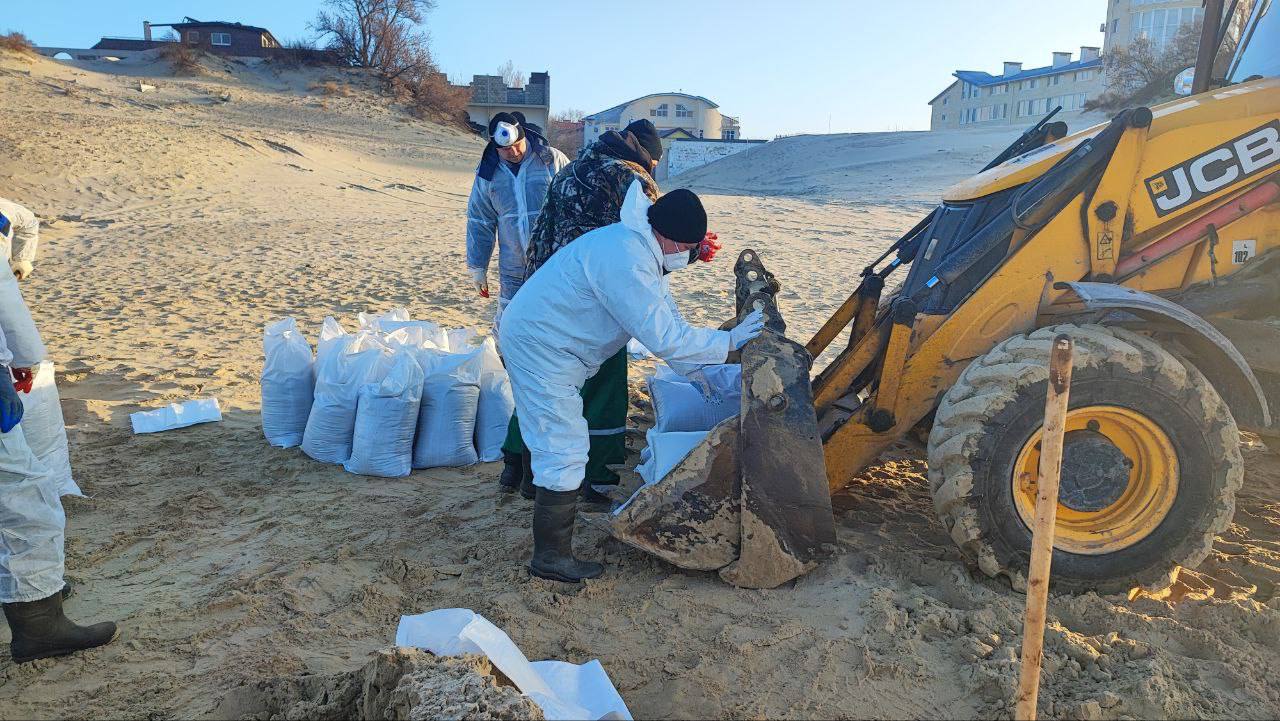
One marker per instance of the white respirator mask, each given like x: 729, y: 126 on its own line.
x: 505, y: 134
x: 675, y: 261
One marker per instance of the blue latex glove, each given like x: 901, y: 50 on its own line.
x: 10, y: 403
x: 749, y: 328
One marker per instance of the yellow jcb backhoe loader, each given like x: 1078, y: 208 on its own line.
x: 1153, y: 240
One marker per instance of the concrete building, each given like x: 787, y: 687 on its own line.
x: 696, y: 115
x: 490, y: 96
x: 1159, y: 20
x: 1018, y: 96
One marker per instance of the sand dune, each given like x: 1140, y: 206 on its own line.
x: 178, y: 223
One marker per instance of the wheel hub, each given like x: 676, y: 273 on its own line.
x: 1095, y: 473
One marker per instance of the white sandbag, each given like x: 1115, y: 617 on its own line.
x: 331, y: 332
x: 665, y: 451
x: 386, y: 420
x: 562, y: 690
x: 447, y: 417
x: 418, y: 332
x: 462, y: 340
x: 288, y: 383
x: 340, y: 372
x: 496, y: 404
x: 177, y: 415
x: 679, y: 405
x: 44, y: 429
x: 637, y: 351
x: 370, y: 321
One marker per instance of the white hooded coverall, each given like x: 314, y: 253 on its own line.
x: 31, y: 516
x: 20, y: 243
x: 579, y: 309
x: 505, y: 207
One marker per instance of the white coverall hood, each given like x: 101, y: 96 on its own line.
x: 579, y: 309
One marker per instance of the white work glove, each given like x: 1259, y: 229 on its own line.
x: 749, y: 328
x: 21, y: 269
x: 480, y: 278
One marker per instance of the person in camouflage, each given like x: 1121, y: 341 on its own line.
x: 585, y: 195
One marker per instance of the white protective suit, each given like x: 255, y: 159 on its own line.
x: 505, y: 205
x: 31, y: 516
x: 580, y: 308
x: 23, y: 237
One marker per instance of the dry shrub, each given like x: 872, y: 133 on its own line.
x: 331, y: 88
x: 16, y: 42
x: 431, y: 96
x: 183, y: 59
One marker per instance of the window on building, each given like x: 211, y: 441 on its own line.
x: 944, y: 117
x: 1161, y: 26
x: 223, y: 39
x: 193, y: 36
x: 946, y: 100
x: 1115, y: 25
x: 1084, y: 75
x: 733, y: 134
x: 683, y: 112
x: 1035, y: 83
x: 1000, y: 89
x: 658, y: 112
x: 1055, y: 79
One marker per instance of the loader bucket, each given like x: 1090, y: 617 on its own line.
x: 751, y: 500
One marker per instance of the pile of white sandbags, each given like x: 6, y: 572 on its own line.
x: 397, y: 394
x: 684, y: 412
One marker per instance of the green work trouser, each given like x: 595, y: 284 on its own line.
x: 604, y: 405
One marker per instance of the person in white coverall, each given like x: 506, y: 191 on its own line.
x: 580, y: 308
x: 31, y: 516
x: 510, y: 187
x: 20, y: 238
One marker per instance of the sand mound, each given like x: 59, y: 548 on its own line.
x: 401, y: 684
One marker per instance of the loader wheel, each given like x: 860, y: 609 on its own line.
x: 1151, y: 461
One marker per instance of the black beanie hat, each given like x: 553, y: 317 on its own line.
x: 647, y: 135
x: 679, y: 216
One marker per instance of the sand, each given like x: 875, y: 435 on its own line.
x: 178, y: 224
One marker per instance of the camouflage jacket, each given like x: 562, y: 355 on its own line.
x: 587, y: 194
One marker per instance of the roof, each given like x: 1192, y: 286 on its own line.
x: 668, y: 132
x: 614, y: 114
x: 190, y: 22
x: 977, y: 77
x: 944, y: 92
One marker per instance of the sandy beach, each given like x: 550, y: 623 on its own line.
x: 178, y: 222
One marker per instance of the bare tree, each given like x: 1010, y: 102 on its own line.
x: 512, y: 77
x: 565, y: 132
x: 570, y: 115
x: 384, y: 35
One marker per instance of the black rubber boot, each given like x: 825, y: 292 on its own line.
x: 41, y: 630
x: 554, y: 513
x: 527, y: 489
x: 512, y: 471
x: 591, y: 497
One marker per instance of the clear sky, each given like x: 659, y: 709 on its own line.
x: 790, y: 66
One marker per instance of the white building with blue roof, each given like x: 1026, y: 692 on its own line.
x: 1016, y: 96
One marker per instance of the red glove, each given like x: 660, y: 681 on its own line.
x: 22, y: 379
x: 707, y: 249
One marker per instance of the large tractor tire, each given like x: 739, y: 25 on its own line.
x: 1151, y: 461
